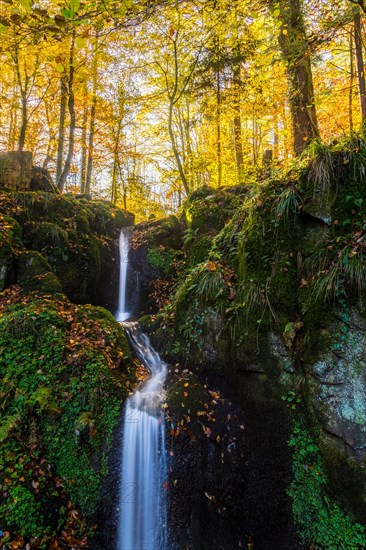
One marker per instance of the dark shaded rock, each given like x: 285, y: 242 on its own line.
x: 42, y: 180
x: 230, y: 467
x: 154, y: 247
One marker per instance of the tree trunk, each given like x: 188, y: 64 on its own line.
x: 23, y: 100
x: 351, y: 79
x: 175, y: 149
x: 71, y: 107
x: 359, y: 60
x: 23, y: 127
x: 83, y: 150
x: 294, y: 46
x: 61, y: 127
x: 116, y: 163
x: 238, y: 139
x: 218, y: 122
x: 89, y: 168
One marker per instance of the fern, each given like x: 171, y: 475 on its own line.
x: 84, y: 420
x: 42, y: 400
x: 8, y: 423
x: 287, y: 203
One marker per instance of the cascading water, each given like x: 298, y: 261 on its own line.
x: 124, y: 245
x: 143, y: 517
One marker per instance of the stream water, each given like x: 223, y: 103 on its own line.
x: 143, y: 515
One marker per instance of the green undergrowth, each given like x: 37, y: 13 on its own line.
x: 64, y: 372
x: 322, y: 522
x: 162, y: 258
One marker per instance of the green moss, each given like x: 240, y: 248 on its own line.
x: 46, y: 236
x: 161, y: 258
x: 73, y: 235
x: 323, y: 523
x: 34, y: 273
x: 347, y: 481
x: 207, y: 210
x: 64, y: 372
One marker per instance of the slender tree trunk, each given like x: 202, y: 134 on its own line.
x: 13, y: 121
x: 71, y: 108
x: 218, y: 122
x: 360, y: 64
x: 116, y: 163
x: 23, y: 100
x: 174, y: 147
x: 238, y: 139
x: 351, y: 80
x: 187, y: 128
x: 23, y: 127
x: 61, y: 127
x: 89, y: 168
x: 294, y: 46
x: 83, y: 150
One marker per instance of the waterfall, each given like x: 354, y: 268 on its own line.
x: 124, y: 245
x: 143, y: 516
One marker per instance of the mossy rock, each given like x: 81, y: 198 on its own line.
x: 167, y: 232
x: 35, y: 273
x: 77, y: 237
x: 207, y: 210
x: 10, y: 241
x: 45, y: 236
x: 80, y: 272
x: 162, y: 259
x: 65, y: 370
x: 347, y: 478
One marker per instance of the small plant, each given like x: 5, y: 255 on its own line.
x: 323, y: 166
x: 338, y: 267
x: 161, y: 258
x: 287, y: 203
x: 323, y: 523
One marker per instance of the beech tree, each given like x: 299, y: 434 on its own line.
x: 295, y: 50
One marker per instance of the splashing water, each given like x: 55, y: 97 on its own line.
x: 143, y: 518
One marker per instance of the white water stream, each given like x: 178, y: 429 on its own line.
x: 143, y: 516
x: 124, y: 245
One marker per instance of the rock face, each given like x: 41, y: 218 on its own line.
x: 339, y: 389
x: 154, y: 246
x: 227, y: 453
x: 16, y: 169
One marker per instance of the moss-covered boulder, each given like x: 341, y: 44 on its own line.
x: 64, y: 373
x: 10, y: 233
x: 77, y: 237
x: 35, y: 273
x: 207, y: 209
